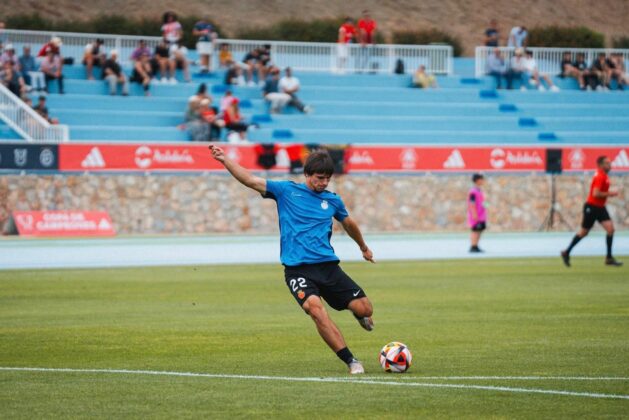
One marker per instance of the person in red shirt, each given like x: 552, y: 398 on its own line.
x: 347, y: 35
x: 367, y: 35
x: 594, y: 211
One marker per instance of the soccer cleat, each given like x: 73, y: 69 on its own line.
x: 475, y: 249
x: 612, y: 261
x: 355, y: 367
x: 566, y: 258
x: 365, y: 322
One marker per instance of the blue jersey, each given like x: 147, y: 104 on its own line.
x: 204, y: 26
x: 305, y: 222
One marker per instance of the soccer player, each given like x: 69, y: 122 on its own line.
x: 594, y: 211
x: 311, y: 268
x: 476, y: 213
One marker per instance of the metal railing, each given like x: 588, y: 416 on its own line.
x: 303, y: 56
x: 26, y: 122
x: 548, y: 59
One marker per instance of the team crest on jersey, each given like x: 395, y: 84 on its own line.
x: 301, y: 294
x: 324, y: 204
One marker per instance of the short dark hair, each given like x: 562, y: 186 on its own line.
x: 476, y: 177
x: 319, y: 162
x: 600, y: 160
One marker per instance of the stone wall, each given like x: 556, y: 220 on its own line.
x: 201, y: 204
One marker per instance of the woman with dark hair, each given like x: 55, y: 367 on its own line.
x: 172, y: 30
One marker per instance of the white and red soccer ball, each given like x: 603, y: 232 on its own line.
x: 395, y: 357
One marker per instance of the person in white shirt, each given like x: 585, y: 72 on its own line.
x: 289, y: 85
x: 518, y: 37
x: 179, y: 60
x: 534, y: 75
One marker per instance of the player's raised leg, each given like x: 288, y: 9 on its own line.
x: 330, y: 333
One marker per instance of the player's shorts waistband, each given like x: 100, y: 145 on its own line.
x: 312, y: 265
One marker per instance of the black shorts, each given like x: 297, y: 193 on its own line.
x: 592, y: 214
x: 325, y: 280
x: 479, y: 227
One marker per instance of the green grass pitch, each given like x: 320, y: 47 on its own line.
x: 499, y: 318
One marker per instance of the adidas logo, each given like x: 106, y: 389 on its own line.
x: 94, y: 159
x: 621, y: 161
x: 454, y: 161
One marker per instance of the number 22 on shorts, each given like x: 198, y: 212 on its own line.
x: 295, y: 284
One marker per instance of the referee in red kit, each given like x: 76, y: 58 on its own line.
x: 594, y: 211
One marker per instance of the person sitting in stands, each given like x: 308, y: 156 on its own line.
x: 496, y: 66
x: 423, y: 80
x: 12, y: 79
x: 289, y: 85
x: 234, y: 121
x: 233, y: 75
x: 517, y: 69
x: 94, y: 55
x: 161, y: 63
x: 534, y: 75
x: 575, y: 70
x: 225, y: 58
x: 32, y: 76
x: 140, y: 50
x: 114, y: 75
x: 616, y: 64
x: 179, y: 60
x: 601, y: 73
x: 272, y: 94
x: 42, y: 110
x: 210, y: 117
x: 197, y: 128
x: 51, y: 66
x: 53, y: 45
x: 143, y: 72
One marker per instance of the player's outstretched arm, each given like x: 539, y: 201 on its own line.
x: 241, y: 174
x: 352, y: 229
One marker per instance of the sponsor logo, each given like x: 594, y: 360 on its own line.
x: 408, y: 158
x: 357, y: 293
x: 233, y: 153
x: 301, y: 294
x: 324, y: 205
x: 621, y: 160
x: 361, y: 158
x: 498, y: 158
x: 454, y: 161
x: 26, y: 221
x: 145, y: 157
x: 20, y: 157
x: 46, y: 158
x: 576, y: 158
x: 94, y: 159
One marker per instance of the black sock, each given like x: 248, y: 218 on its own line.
x: 345, y: 355
x: 610, y: 239
x: 575, y: 241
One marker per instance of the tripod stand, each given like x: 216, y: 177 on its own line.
x: 549, y: 221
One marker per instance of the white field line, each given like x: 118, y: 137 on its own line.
x: 393, y: 376
x: 324, y: 380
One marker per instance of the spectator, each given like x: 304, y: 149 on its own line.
x: 53, y: 45
x: 492, y: 34
x: 272, y: 93
x: 198, y: 130
x: 29, y: 69
x: 94, y: 55
x: 518, y: 37
x: 52, y: 68
x: 600, y: 73
x: 496, y: 66
x: 9, y: 56
x: 2, y: 36
x: 290, y: 85
x: 532, y: 72
x: 171, y: 28
x: 226, y: 100
x: 234, y: 121
x: 517, y: 69
x: 114, y: 75
x: 204, y: 30
x: 161, y: 63
x: 616, y: 65
x: 257, y: 61
x: 225, y: 58
x: 13, y: 80
x: 179, y: 60
x: 421, y: 79
x: 367, y: 36
x: 576, y: 69
x: 42, y: 110
x: 233, y: 75
x: 209, y: 116
x: 143, y: 71
x: 200, y: 94
x: 140, y: 50
x: 346, y: 35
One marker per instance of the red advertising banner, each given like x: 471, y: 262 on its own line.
x: 108, y: 157
x: 63, y: 223
x: 584, y: 158
x: 445, y: 159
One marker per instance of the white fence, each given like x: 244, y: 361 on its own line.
x: 26, y: 122
x: 304, y: 56
x: 548, y: 59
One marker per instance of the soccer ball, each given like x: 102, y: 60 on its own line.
x: 395, y: 357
